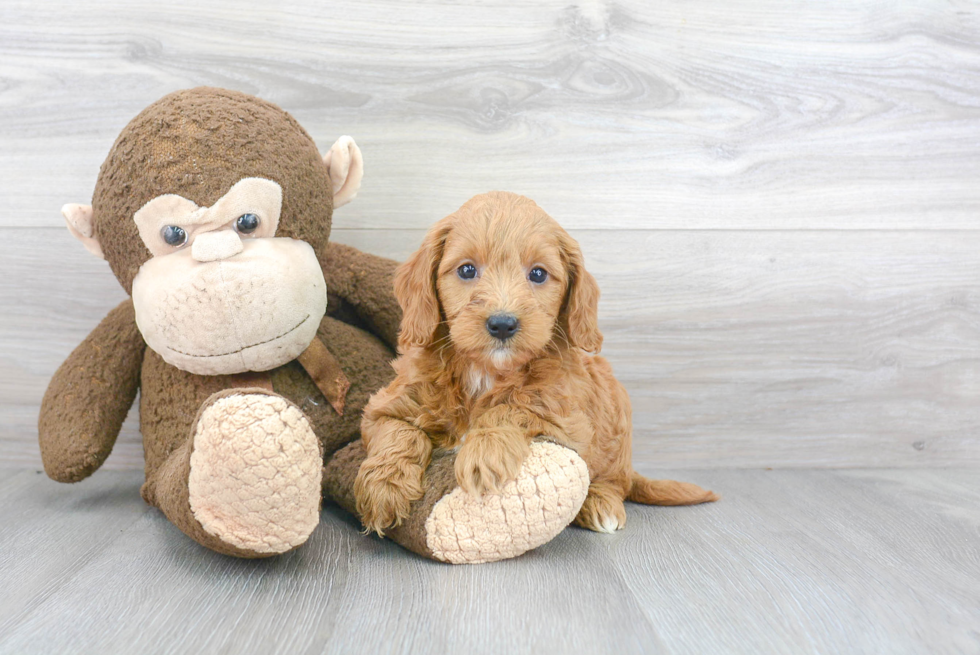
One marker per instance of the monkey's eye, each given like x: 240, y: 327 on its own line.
x: 466, y: 271
x: 174, y: 236
x: 247, y: 223
x: 537, y: 275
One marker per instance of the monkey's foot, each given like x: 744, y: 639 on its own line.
x: 255, y: 473
x: 527, y: 513
x: 450, y: 525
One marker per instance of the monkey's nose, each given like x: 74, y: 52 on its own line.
x: 219, y: 244
x: 503, y: 326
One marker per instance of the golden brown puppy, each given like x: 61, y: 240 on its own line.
x: 497, y: 347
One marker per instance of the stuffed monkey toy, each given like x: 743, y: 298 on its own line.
x: 213, y: 210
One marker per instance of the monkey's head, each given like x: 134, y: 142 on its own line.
x: 213, y: 210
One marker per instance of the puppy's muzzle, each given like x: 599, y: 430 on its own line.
x: 503, y: 326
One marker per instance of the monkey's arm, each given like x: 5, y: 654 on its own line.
x: 89, y: 396
x: 364, y: 281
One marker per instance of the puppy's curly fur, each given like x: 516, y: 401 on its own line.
x: 458, y: 385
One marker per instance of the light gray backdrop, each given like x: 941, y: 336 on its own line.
x: 779, y: 199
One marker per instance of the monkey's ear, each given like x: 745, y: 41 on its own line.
x: 345, y: 168
x: 81, y: 226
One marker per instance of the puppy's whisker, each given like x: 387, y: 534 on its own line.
x: 441, y: 342
x: 558, y: 349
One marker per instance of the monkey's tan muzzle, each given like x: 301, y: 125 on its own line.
x: 252, y: 310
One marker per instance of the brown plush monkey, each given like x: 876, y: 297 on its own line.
x: 213, y: 209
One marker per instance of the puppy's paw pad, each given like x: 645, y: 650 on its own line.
x: 255, y: 473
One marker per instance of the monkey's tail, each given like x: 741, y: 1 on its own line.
x: 668, y: 492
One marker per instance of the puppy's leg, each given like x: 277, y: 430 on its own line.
x: 390, y: 478
x: 603, y: 509
x: 493, y: 450
x: 614, y: 479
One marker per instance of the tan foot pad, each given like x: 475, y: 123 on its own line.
x: 255, y: 473
x: 531, y: 510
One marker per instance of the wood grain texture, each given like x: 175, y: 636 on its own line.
x: 780, y: 200
x: 738, y: 348
x: 846, y: 115
x: 60, y: 529
x: 789, y: 562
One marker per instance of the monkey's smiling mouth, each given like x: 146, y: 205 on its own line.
x: 235, y: 352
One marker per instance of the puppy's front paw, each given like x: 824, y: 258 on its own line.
x: 384, y: 492
x: 488, y: 460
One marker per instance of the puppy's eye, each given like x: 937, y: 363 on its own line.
x: 247, y: 223
x: 466, y: 271
x: 537, y: 275
x: 174, y: 235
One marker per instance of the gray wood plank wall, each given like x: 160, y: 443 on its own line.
x: 779, y: 199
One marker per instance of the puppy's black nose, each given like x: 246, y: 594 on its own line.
x: 503, y: 326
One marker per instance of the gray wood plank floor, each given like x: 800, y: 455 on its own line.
x: 803, y: 561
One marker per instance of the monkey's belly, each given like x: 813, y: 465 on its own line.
x: 170, y: 399
x: 366, y: 362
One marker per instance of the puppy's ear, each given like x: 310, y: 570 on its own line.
x: 415, y: 289
x: 582, y: 301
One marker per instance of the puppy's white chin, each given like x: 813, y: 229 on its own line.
x: 501, y: 358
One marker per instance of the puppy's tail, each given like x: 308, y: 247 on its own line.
x: 667, y: 492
